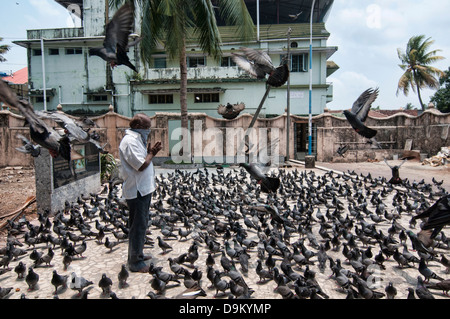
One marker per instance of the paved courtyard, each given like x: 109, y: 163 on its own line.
x: 210, y: 197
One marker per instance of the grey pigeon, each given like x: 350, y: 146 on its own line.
x: 443, y: 285
x: 422, y: 291
x: 78, y: 283
x: 258, y: 64
x: 230, y: 111
x: 268, y: 184
x: 390, y: 291
x: 358, y: 114
x: 5, y: 291
x: 123, y: 276
x: 438, y: 216
x: 58, y: 280
x: 75, y: 131
x: 40, y: 132
x: 32, y: 278
x: 20, y: 270
x: 116, y: 38
x: 105, y: 284
x: 28, y: 147
x: 163, y: 245
x: 427, y: 272
x: 417, y: 244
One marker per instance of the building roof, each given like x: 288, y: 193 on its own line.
x: 18, y: 77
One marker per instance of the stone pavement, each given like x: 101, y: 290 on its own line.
x: 98, y: 260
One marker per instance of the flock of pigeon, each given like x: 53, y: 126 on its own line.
x: 215, y: 234
x: 233, y: 234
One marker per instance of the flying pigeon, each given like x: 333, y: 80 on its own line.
x: 258, y: 64
x: 74, y: 130
x: 28, y: 147
x: 358, y: 114
x: 268, y: 184
x: 438, y: 215
x: 116, y: 39
x: 395, y: 179
x: 342, y: 150
x: 40, y: 132
x: 230, y: 111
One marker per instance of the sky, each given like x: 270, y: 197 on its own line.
x: 366, y: 32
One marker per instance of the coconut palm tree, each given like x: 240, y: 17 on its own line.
x: 3, y: 49
x: 415, y: 61
x: 172, y: 22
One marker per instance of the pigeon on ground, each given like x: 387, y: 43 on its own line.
x: 163, y: 245
x: 78, y: 283
x: 110, y: 244
x: 40, y: 132
x: 268, y: 184
x: 105, y: 284
x: 123, y: 276
x: 390, y: 291
x: 258, y: 64
x: 422, y: 291
x: 230, y: 111
x: 20, y: 270
x: 116, y: 43
x: 443, y: 285
x: 358, y: 114
x: 427, y: 272
x: 5, y: 291
x: 32, y: 278
x: 58, y: 280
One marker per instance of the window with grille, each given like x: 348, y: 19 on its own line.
x: 206, y: 97
x: 160, y: 99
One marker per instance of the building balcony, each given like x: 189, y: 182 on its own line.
x: 61, y: 33
x: 199, y: 74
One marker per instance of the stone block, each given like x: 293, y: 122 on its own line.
x: 310, y: 161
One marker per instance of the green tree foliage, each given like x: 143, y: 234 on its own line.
x: 441, y: 98
x: 415, y: 61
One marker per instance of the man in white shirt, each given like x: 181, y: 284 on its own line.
x: 139, y: 182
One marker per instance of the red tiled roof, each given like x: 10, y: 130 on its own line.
x: 18, y: 77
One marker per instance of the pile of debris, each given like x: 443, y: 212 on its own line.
x: 441, y: 158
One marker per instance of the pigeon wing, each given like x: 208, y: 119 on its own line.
x: 221, y: 109
x: 119, y: 28
x: 245, y: 64
x: 362, y: 105
x: 259, y: 57
x: 239, y: 107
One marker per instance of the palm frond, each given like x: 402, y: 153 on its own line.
x: 234, y: 12
x: 205, y: 27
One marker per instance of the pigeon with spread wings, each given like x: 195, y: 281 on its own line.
x: 258, y: 64
x: 73, y: 129
x: 395, y: 179
x: 438, y: 216
x: 358, y: 114
x: 230, y: 111
x: 40, y: 132
x: 116, y: 44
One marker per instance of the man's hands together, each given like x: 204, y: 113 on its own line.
x: 155, y: 149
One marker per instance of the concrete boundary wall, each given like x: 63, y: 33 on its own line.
x: 428, y: 131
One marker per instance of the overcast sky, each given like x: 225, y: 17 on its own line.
x: 366, y: 32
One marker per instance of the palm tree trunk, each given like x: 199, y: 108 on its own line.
x: 183, y: 87
x: 418, y: 91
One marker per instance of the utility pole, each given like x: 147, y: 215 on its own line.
x: 288, y: 102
